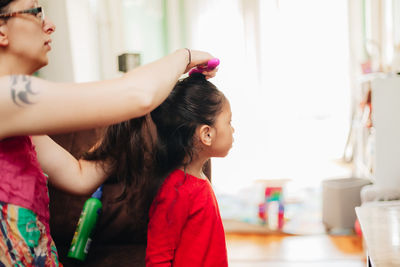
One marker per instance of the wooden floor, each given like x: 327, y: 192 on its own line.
x: 256, y: 250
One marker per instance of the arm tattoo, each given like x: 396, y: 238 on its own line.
x: 21, y: 90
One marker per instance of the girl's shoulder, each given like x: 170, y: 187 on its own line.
x: 186, y: 179
x: 184, y: 182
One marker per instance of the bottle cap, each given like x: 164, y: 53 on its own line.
x: 98, y: 192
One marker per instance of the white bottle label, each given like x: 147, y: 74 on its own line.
x: 89, y: 241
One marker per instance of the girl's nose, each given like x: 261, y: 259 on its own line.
x: 48, y: 26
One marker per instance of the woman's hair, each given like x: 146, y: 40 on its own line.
x: 4, y: 5
x: 142, y: 152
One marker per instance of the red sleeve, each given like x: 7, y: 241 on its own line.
x: 167, y: 217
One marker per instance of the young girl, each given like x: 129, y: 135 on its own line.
x: 34, y: 107
x: 192, y: 125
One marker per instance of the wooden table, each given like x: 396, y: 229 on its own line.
x: 380, y: 225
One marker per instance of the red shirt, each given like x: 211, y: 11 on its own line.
x: 185, y: 227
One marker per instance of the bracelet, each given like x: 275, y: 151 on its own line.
x: 190, y: 56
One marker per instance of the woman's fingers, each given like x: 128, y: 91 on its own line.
x: 198, y: 58
x: 211, y: 73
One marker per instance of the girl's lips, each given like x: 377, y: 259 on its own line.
x: 47, y: 44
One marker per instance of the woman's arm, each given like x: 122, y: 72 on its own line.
x: 32, y: 106
x: 65, y: 172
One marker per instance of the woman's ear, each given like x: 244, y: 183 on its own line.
x: 206, y: 134
x: 3, y: 35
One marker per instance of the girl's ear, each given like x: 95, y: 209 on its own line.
x: 3, y: 35
x: 206, y: 134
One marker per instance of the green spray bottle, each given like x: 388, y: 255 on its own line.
x: 87, y: 222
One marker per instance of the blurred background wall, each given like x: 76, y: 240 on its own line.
x: 291, y: 70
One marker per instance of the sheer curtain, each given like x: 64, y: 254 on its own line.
x: 219, y: 27
x: 306, y: 88
x: 284, y: 68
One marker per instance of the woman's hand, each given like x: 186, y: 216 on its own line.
x: 199, y: 58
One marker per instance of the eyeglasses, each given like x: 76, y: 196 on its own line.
x: 38, y: 12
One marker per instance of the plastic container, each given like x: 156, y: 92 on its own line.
x: 339, y: 199
x: 87, y: 222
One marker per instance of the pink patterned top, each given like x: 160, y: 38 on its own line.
x: 22, y: 181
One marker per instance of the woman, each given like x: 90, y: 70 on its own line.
x: 33, y: 107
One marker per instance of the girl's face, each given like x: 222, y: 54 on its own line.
x: 29, y: 35
x: 223, y: 132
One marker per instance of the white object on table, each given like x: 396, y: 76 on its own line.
x: 380, y: 225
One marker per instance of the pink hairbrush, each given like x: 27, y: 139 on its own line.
x: 211, y: 64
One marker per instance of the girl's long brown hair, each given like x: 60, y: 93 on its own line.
x: 141, y: 152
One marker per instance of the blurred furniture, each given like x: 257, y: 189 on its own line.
x: 380, y: 225
x: 379, y: 215
x: 377, y: 146
x: 386, y: 120
x: 119, y: 239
